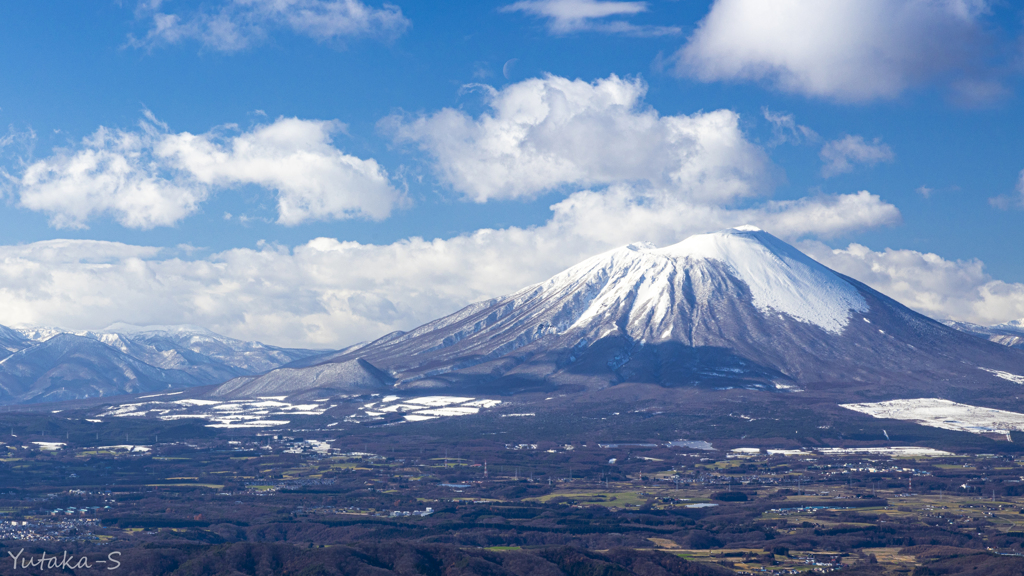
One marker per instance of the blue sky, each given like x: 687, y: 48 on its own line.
x: 319, y: 172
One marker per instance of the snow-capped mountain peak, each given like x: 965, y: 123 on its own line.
x: 780, y: 277
x: 736, y: 308
x: 649, y: 282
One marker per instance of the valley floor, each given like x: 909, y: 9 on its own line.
x: 487, y: 495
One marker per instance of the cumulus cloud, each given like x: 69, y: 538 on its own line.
x: 566, y: 16
x: 943, y: 289
x: 331, y: 293
x: 110, y: 173
x: 840, y: 155
x: 238, y: 24
x: 846, y: 50
x: 545, y: 133
x: 154, y: 177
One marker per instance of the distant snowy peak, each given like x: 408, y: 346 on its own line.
x: 176, y: 330
x: 651, y: 281
x: 50, y: 364
x: 43, y: 333
x: 1008, y: 334
x: 1012, y: 325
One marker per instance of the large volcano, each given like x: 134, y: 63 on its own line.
x: 737, y: 308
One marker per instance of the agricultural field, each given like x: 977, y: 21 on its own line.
x: 196, y: 491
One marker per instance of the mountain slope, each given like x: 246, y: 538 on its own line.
x: 737, y: 308
x: 184, y: 347
x: 11, y: 341
x: 49, y: 364
x: 67, y: 367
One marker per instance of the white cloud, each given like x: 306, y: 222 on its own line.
x: 330, y: 293
x: 112, y: 172
x: 566, y: 16
x: 786, y: 130
x: 839, y: 155
x: 622, y: 214
x: 544, y: 133
x: 1006, y: 201
x: 153, y: 177
x: 846, y: 50
x: 238, y: 24
x: 936, y: 287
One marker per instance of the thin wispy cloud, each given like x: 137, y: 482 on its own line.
x: 785, y: 130
x: 840, y: 156
x: 1008, y: 201
x: 566, y: 16
x: 239, y: 24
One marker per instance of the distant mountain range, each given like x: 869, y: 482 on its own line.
x: 50, y: 364
x: 1009, y: 334
x: 734, y: 309
x: 737, y: 309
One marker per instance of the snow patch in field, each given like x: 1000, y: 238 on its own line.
x: 127, y: 448
x: 450, y: 411
x: 220, y: 414
x: 892, y: 451
x: 421, y: 408
x: 945, y: 414
x: 162, y: 394
x: 438, y: 400
x: 418, y: 417
x: 49, y: 445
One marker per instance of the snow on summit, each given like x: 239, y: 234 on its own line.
x: 780, y: 277
x: 648, y: 280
